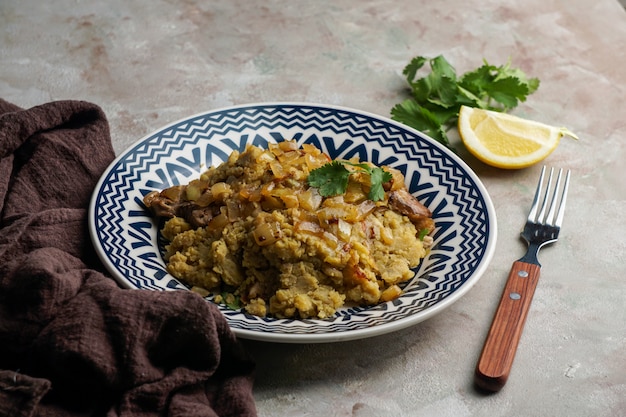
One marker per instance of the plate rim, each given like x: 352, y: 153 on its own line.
x: 347, y: 335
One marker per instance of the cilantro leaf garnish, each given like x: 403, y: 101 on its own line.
x: 378, y: 177
x: 332, y: 179
x: 422, y: 234
x: 232, y: 301
x: 436, y: 98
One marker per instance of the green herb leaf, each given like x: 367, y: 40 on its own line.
x: 232, y: 301
x: 332, y: 179
x: 418, y: 117
x: 378, y: 177
x: 436, y: 98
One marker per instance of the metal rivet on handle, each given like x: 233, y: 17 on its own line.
x: 515, y: 296
x: 522, y: 274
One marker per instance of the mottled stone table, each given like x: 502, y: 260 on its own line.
x: 149, y: 63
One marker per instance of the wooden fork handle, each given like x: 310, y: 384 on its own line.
x: 496, y: 358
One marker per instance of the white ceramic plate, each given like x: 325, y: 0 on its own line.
x: 127, y: 240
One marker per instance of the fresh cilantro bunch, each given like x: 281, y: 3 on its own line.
x: 437, y: 97
x: 332, y: 179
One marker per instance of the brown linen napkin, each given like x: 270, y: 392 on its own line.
x: 72, y: 343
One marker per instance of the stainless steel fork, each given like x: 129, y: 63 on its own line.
x: 542, y: 227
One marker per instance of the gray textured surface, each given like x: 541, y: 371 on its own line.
x: 149, y: 63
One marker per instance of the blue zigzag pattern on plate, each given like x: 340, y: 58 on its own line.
x: 180, y: 152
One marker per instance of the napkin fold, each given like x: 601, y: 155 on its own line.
x: 72, y: 343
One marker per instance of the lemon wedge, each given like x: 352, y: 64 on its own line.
x: 506, y: 141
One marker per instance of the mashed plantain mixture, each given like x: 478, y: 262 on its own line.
x: 253, y: 232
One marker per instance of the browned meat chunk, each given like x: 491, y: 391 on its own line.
x: 404, y: 202
x: 165, y: 203
x: 170, y: 203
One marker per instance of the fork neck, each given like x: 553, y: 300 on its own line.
x: 531, y: 254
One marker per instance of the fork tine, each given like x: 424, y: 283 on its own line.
x: 559, y: 216
x: 550, y: 220
x: 533, y: 210
x: 542, y: 212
